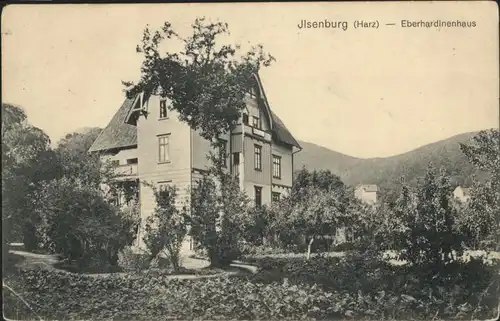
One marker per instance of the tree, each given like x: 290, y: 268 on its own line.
x: 319, y: 213
x: 166, y: 227
x: 483, y: 151
x: 204, y: 216
x: 80, y: 223
x: 76, y: 161
x: 219, y: 213
x: 207, y: 83
x: 323, y: 179
x: 27, y: 160
x: 431, y: 239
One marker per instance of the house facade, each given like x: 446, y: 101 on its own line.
x: 150, y: 145
x: 461, y: 193
x: 367, y: 193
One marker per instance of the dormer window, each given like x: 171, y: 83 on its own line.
x: 163, y: 108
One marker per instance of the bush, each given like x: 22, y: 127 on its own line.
x: 56, y: 295
x: 133, y: 262
x: 462, y: 284
x: 344, y: 247
x: 166, y: 227
x: 80, y: 223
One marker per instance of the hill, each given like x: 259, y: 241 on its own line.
x: 386, y: 172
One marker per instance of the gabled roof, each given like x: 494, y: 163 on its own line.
x: 117, y: 134
x: 120, y: 134
x: 368, y: 187
x: 281, y: 133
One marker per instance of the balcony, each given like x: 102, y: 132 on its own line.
x: 258, y: 132
x: 127, y: 171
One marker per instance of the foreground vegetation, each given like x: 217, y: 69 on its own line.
x: 319, y: 288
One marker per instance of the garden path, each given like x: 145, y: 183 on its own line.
x: 48, y: 261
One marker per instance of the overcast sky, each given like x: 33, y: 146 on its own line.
x: 362, y: 92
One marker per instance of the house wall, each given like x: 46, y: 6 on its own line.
x: 367, y: 197
x: 459, y: 193
x: 177, y: 171
x: 121, y: 155
x: 252, y: 175
x: 286, y: 164
x: 255, y: 108
x: 129, y: 170
x: 370, y: 197
x: 200, y: 149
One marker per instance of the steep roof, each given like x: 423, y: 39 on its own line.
x: 282, y: 133
x: 278, y: 128
x: 117, y: 134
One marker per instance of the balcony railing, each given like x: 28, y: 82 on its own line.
x: 258, y: 132
x: 127, y: 170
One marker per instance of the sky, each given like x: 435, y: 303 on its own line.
x: 364, y: 92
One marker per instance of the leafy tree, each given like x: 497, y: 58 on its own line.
x: 166, y: 227
x: 430, y: 238
x: 483, y: 209
x: 204, y: 216
x: 76, y: 161
x: 219, y: 212
x: 256, y: 230
x: 325, y: 180
x: 79, y: 222
x: 319, y: 213
x: 207, y: 83
x: 26, y: 162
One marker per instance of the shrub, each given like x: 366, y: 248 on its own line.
x: 79, y: 223
x: 56, y: 295
x: 218, y: 216
x: 166, y: 227
x: 133, y: 262
x: 344, y: 247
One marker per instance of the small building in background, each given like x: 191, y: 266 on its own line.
x: 462, y: 193
x: 367, y: 193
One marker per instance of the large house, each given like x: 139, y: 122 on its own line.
x: 367, y: 193
x: 150, y: 144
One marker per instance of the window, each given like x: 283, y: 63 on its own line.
x: 276, y: 166
x: 276, y: 197
x: 258, y: 196
x: 163, y: 108
x: 223, y: 151
x: 245, y: 119
x: 257, y: 123
x: 163, y: 144
x: 132, y: 161
x: 236, y: 158
x: 236, y: 164
x: 258, y: 157
x: 162, y: 185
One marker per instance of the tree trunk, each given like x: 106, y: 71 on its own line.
x: 309, y: 247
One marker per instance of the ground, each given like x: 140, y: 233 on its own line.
x: 49, y: 262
